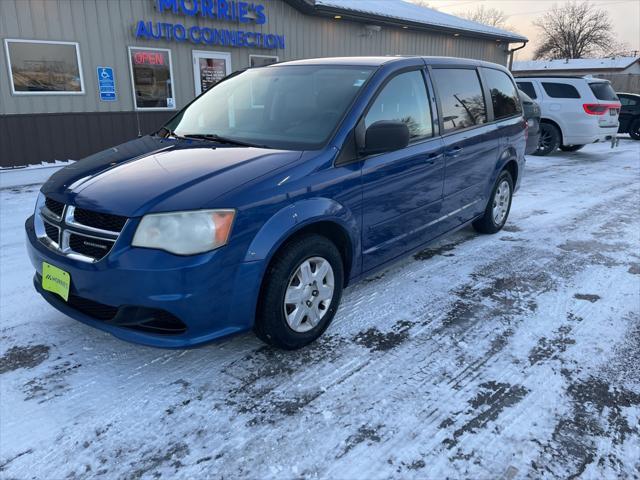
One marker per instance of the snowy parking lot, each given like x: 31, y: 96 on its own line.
x: 500, y: 356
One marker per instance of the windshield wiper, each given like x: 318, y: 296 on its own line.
x: 219, y: 139
x: 170, y: 133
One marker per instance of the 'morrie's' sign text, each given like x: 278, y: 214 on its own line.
x: 222, y: 10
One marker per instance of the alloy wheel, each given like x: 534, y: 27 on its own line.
x: 544, y: 142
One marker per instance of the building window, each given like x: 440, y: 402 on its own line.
x: 262, y: 60
x: 152, y: 78
x: 44, y: 67
x: 461, y: 98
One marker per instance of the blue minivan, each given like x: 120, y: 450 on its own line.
x: 259, y: 202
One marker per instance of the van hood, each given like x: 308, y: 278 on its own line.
x: 151, y: 174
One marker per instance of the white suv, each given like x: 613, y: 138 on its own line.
x: 575, y: 111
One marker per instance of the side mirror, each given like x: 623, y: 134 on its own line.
x: 385, y: 136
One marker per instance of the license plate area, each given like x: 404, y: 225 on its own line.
x: 56, y: 280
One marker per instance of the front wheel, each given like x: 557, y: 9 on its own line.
x: 570, y: 148
x: 301, y: 293
x: 498, y: 207
x: 549, y: 139
x: 634, y: 130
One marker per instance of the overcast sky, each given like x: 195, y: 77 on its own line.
x: 625, y: 16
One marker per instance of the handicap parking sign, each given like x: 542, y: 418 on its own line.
x: 106, y: 84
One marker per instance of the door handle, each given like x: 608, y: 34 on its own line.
x: 432, y: 157
x: 454, y: 152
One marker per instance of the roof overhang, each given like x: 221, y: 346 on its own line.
x: 310, y: 7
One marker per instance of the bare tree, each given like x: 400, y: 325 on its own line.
x: 423, y: 3
x: 493, y: 17
x: 574, y: 30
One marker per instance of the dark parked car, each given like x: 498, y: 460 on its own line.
x: 267, y: 195
x: 630, y: 114
x: 532, y: 115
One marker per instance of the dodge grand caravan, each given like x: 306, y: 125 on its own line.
x: 255, y: 205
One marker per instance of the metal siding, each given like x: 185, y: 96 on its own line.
x: 105, y: 28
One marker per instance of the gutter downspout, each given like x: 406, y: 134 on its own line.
x: 511, y: 51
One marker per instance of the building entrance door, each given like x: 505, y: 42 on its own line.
x: 209, y: 68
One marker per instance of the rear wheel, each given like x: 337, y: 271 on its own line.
x: 634, y: 129
x: 549, y: 139
x: 498, y: 207
x: 570, y: 148
x: 301, y: 293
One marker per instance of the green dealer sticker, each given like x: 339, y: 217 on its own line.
x: 56, y: 280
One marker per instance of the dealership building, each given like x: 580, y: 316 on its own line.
x: 78, y: 76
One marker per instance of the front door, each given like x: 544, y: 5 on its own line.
x: 401, y: 190
x: 209, y: 68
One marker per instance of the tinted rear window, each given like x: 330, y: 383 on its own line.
x: 461, y: 98
x: 603, y: 91
x: 504, y: 95
x: 560, y: 90
x: 527, y: 87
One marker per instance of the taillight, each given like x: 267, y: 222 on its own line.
x: 595, y: 108
x: 599, y: 108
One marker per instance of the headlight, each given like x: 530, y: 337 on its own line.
x: 39, y: 202
x: 185, y: 233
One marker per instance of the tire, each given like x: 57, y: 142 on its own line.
x: 311, y: 304
x: 549, y: 139
x: 490, y: 222
x: 634, y: 129
x: 570, y: 148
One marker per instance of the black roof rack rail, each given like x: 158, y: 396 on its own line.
x: 540, y: 75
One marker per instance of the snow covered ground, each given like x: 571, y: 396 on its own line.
x: 501, y: 356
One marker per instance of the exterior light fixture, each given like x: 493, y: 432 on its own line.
x: 456, y: 34
x: 337, y: 17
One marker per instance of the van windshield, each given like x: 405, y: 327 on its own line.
x: 291, y: 107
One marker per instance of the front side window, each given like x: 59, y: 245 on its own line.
x: 44, y: 67
x: 461, y: 98
x: 504, y: 96
x: 628, y: 101
x: 560, y: 90
x: 152, y: 78
x: 261, y: 60
x: 404, y: 99
x: 287, y: 106
x: 527, y: 87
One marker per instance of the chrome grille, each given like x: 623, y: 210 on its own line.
x: 90, y: 246
x: 54, y: 206
x: 78, y: 233
x: 101, y: 221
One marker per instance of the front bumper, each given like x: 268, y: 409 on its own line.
x: 212, y: 298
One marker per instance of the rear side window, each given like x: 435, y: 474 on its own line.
x: 504, y: 95
x: 603, y: 91
x: 461, y: 98
x: 560, y: 90
x: 527, y: 87
x: 404, y: 99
